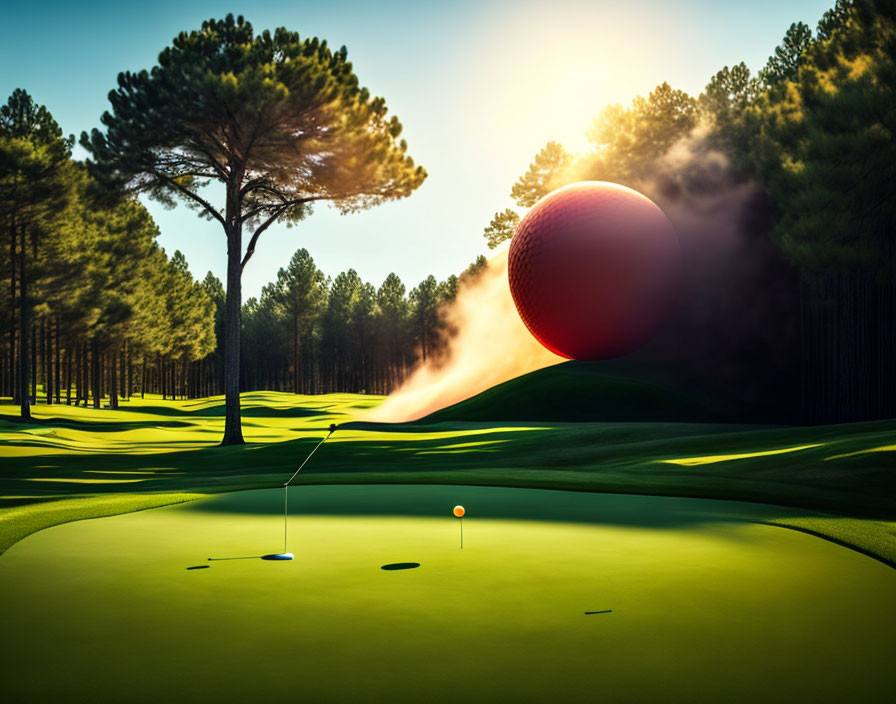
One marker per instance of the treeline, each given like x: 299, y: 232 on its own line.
x: 93, y: 307
x: 307, y: 333
x: 96, y: 311
x: 814, y: 129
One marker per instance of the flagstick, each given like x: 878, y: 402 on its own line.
x: 459, y: 514
x: 286, y: 485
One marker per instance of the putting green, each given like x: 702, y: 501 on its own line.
x: 704, y: 603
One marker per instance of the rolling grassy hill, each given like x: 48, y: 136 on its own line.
x: 78, y: 463
x: 609, y: 391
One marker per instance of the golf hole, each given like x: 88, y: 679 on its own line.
x: 400, y: 566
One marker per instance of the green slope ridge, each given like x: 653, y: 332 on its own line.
x: 600, y: 392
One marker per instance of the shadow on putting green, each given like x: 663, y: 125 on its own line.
x: 436, y: 501
x: 400, y: 566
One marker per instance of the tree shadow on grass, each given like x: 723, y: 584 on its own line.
x: 218, y: 411
x: 483, y: 502
x: 14, y: 424
x: 13, y: 501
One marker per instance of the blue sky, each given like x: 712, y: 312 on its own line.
x: 479, y: 87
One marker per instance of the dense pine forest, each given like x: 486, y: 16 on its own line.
x: 308, y: 333
x: 94, y: 308
x: 96, y: 311
x: 781, y: 185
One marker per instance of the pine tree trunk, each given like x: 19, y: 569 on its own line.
x: 47, y: 362
x: 848, y: 347
x: 12, y: 314
x: 233, y: 433
x: 113, y: 379
x: 33, y: 330
x: 95, y: 366
x: 297, y: 359
x: 85, y: 373
x: 33, y: 361
x: 57, y: 366
x: 122, y: 371
x: 79, y: 377
x: 68, y: 375
x: 24, y: 333
x: 81, y: 374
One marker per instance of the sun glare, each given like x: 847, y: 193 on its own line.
x: 548, y: 80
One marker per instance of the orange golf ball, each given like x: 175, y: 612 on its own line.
x: 459, y: 511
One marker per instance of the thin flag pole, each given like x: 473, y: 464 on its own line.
x: 295, y: 474
x: 459, y: 512
x: 308, y: 458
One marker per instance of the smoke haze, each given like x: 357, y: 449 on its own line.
x: 491, y: 345
x: 735, y: 325
x: 732, y: 325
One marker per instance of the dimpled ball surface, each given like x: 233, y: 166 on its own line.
x: 594, y: 269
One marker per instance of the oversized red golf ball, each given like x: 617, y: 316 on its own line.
x: 594, y: 270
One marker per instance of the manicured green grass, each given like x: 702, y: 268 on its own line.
x: 79, y: 463
x: 151, y: 425
x: 705, y: 603
x: 709, y: 600
x: 607, y: 391
x: 20, y: 521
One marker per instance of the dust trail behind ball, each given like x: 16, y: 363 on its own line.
x: 492, y: 345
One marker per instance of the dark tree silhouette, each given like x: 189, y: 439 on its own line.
x: 784, y: 63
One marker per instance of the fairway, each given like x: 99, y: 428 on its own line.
x: 629, y: 440
x: 702, y: 602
